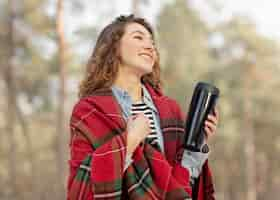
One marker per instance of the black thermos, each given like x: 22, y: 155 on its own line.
x: 203, y: 102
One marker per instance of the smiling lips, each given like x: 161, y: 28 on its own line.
x: 146, y: 56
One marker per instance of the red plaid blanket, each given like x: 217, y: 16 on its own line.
x: 97, y: 167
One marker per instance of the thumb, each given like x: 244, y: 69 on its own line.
x: 129, y: 121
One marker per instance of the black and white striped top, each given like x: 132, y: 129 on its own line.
x: 139, y: 107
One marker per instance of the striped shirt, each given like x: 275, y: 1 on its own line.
x: 141, y: 107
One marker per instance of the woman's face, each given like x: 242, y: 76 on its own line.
x: 137, y: 49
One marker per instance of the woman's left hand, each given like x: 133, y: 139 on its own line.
x: 211, y: 124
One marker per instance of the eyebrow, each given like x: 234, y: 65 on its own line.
x: 137, y: 31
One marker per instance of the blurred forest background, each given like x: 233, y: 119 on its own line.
x: 45, y: 45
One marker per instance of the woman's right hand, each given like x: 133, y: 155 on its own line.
x: 138, y: 127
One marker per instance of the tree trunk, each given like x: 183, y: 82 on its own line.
x: 11, y: 97
x: 249, y: 138
x: 60, y: 140
x: 135, y: 7
x: 13, y: 110
x: 34, y: 175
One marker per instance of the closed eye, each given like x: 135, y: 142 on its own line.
x: 138, y: 37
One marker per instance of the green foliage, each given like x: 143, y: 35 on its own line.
x: 183, y: 40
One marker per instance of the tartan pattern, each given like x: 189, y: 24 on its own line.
x: 81, y: 187
x: 96, y: 167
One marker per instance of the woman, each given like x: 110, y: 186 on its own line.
x: 126, y: 135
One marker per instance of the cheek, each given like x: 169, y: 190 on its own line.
x: 128, y: 52
x: 125, y: 48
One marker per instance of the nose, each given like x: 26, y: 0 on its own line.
x: 149, y: 45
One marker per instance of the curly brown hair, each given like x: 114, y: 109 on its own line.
x: 103, y: 65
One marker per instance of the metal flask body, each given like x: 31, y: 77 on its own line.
x: 203, y: 102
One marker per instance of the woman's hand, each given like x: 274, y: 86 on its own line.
x: 138, y: 128
x: 211, y: 124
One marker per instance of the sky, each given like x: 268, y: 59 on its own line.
x: 264, y: 13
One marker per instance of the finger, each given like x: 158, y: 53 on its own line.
x: 131, y: 118
x: 211, y: 126
x: 207, y: 132
x: 216, y: 112
x: 129, y: 121
x: 135, y: 116
x: 142, y: 115
x: 146, y: 118
x: 212, y: 119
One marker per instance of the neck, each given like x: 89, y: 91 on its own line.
x: 129, y: 82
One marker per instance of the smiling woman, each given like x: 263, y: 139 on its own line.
x: 120, y: 44
x: 137, y: 50
x: 125, y: 133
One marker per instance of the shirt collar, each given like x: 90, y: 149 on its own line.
x: 120, y: 92
x: 124, y: 96
x: 148, y: 99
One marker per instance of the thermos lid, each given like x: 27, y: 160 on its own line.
x: 207, y: 87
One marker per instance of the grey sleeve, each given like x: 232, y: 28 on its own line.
x: 194, y: 161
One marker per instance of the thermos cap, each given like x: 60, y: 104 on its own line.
x: 208, y: 87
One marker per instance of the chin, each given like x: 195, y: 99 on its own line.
x: 146, y: 70
x: 143, y: 68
